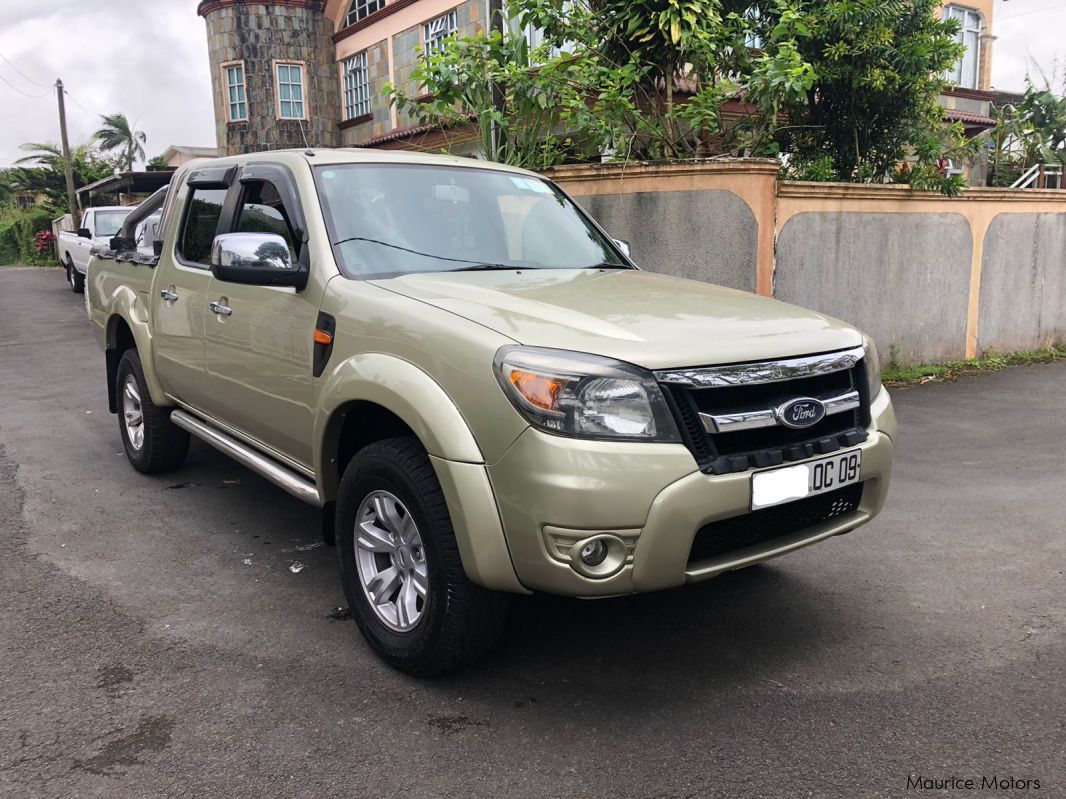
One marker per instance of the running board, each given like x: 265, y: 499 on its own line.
x: 263, y: 465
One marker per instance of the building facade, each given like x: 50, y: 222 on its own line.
x: 289, y: 71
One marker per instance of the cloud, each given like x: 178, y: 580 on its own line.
x: 144, y: 58
x: 1028, y: 35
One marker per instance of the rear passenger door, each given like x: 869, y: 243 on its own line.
x: 179, y: 307
x: 259, y: 355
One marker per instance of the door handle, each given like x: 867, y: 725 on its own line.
x: 219, y: 308
x: 168, y: 294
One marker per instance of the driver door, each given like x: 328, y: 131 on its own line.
x: 259, y: 339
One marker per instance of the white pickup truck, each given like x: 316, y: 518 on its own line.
x: 98, y: 225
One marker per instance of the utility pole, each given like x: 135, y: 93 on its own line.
x: 68, y: 167
x: 498, y: 103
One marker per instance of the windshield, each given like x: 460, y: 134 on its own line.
x: 393, y: 219
x: 108, y: 223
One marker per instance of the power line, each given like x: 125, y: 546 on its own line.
x: 20, y: 91
x: 79, y: 105
x: 23, y: 74
x: 1034, y: 11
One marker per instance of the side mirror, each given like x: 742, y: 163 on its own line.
x: 623, y: 246
x: 84, y: 233
x: 258, y: 259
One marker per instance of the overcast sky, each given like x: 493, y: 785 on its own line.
x: 148, y: 59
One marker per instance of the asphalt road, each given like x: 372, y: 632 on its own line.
x: 157, y: 639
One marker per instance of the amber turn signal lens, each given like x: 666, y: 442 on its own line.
x: 322, y: 337
x: 538, y: 390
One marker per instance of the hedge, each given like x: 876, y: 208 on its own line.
x: 17, y: 231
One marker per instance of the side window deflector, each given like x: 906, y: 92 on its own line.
x: 212, y: 177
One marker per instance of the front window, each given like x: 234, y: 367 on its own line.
x: 236, y: 97
x: 356, y: 87
x: 965, y: 72
x: 290, y: 91
x: 362, y: 8
x: 393, y: 219
x: 439, y: 29
x: 202, y: 215
x: 108, y: 223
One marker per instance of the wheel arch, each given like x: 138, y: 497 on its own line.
x: 124, y: 331
x: 375, y: 396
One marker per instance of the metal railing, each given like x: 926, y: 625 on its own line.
x: 1040, y: 176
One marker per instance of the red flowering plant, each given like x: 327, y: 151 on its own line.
x: 44, y: 241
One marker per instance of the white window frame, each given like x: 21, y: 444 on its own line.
x: 357, y: 101
x: 971, y: 26
x: 302, y: 84
x: 361, y: 9
x: 437, y: 30
x: 242, y: 91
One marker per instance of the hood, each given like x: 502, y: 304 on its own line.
x: 655, y: 321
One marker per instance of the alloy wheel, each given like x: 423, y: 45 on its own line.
x: 391, y: 561
x: 132, y: 414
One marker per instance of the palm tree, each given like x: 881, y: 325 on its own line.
x: 118, y: 134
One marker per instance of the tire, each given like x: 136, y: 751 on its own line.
x: 75, y: 278
x: 454, y: 621
x: 160, y: 445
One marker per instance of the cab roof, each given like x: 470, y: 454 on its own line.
x: 320, y: 156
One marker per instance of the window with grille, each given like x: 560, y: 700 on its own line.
x: 236, y: 96
x: 290, y: 91
x: 966, y: 70
x: 362, y: 8
x: 356, y: 86
x: 439, y: 29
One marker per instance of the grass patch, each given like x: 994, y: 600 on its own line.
x: 898, y: 376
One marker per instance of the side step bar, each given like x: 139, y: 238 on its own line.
x: 263, y: 465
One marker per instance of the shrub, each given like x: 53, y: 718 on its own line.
x: 18, y: 236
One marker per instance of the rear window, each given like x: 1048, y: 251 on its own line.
x: 108, y: 223
x: 201, y: 225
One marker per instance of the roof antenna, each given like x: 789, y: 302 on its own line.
x: 303, y: 135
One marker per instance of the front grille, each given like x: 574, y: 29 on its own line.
x: 738, y: 532
x: 738, y: 451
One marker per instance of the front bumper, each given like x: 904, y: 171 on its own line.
x: 552, y: 491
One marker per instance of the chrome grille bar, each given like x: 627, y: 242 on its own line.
x: 768, y: 417
x: 742, y: 374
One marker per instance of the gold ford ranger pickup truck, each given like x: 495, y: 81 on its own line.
x: 477, y: 386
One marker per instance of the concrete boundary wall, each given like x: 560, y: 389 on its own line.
x: 931, y: 278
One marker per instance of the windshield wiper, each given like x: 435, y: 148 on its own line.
x: 405, y: 249
x: 489, y: 268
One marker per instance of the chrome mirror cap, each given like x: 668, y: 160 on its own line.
x: 623, y: 245
x: 255, y: 250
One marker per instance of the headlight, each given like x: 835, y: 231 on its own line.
x: 873, y: 367
x: 586, y: 396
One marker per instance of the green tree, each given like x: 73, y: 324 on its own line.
x: 158, y: 161
x: 1042, y: 119
x: 118, y: 134
x: 599, y: 83
x: 41, y: 171
x: 874, y: 102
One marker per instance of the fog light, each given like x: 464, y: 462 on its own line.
x: 594, y: 552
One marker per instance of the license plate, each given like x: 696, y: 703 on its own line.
x: 790, y: 483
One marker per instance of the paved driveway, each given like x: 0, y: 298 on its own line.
x: 157, y: 637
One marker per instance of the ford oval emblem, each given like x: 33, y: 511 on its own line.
x: 800, y: 413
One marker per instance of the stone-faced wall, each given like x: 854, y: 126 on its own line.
x: 380, y: 121
x: 407, y: 47
x: 260, y: 32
